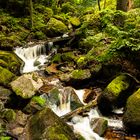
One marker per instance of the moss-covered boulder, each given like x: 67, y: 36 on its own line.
x: 5, y: 76
x: 115, y: 94
x: 55, y: 27
x: 76, y: 77
x: 47, y: 125
x: 10, y: 61
x: 35, y: 104
x: 131, y: 116
x: 26, y: 85
x: 75, y: 21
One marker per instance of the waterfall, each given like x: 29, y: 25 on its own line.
x: 33, y: 57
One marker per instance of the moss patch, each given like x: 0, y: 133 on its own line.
x: 5, y: 76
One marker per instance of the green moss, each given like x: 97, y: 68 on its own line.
x: 3, y: 63
x: 54, y: 133
x: 80, y: 74
x: 57, y: 58
x: 39, y: 35
x: 10, y: 61
x: 5, y: 76
x: 9, y: 114
x: 131, y: 117
x: 55, y: 27
x: 68, y: 8
x: 68, y: 56
x: 5, y: 138
x: 75, y: 21
x: 119, y: 84
x: 40, y: 101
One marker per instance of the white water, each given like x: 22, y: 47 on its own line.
x: 81, y: 124
x: 31, y: 55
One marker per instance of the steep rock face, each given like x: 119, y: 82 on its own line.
x: 26, y: 85
x: 55, y: 27
x: 48, y: 126
x: 115, y: 94
x: 131, y: 117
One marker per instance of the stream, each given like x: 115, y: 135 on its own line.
x: 34, y: 58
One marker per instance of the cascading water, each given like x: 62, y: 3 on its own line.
x: 81, y: 125
x: 33, y: 57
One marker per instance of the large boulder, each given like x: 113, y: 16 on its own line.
x: 10, y: 61
x: 131, y: 116
x: 26, y: 85
x: 47, y: 125
x: 55, y: 27
x: 115, y: 94
x: 5, y: 76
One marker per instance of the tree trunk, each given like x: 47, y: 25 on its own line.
x: 31, y: 12
x: 124, y: 5
x: 99, y: 5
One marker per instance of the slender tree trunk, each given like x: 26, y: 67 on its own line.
x: 123, y: 5
x: 99, y: 5
x: 104, y: 4
x: 31, y: 12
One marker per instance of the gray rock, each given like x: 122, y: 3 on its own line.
x: 99, y: 125
x: 26, y: 85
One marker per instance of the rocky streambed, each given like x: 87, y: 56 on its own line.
x: 66, y: 101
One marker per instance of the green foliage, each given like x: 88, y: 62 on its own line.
x: 68, y: 8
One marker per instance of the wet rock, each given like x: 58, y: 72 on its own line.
x: 99, y: 125
x: 26, y: 85
x: 89, y: 95
x: 17, y: 131
x: 55, y: 27
x: 131, y: 116
x: 115, y: 94
x: 74, y: 100
x: 76, y: 77
x: 51, y: 69
x: 6, y: 76
x: 21, y: 118
x: 48, y: 126
x: 9, y: 114
x: 5, y: 94
x: 37, y: 63
x: 37, y: 103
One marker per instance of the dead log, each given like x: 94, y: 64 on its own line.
x: 80, y: 110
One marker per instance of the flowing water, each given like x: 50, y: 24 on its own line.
x: 80, y: 124
x: 33, y: 57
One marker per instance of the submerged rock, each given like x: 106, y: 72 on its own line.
x: 48, y: 126
x: 131, y: 116
x: 26, y: 85
x: 99, y: 125
x: 115, y: 94
x: 5, y: 76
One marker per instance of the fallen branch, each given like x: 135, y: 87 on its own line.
x: 80, y: 110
